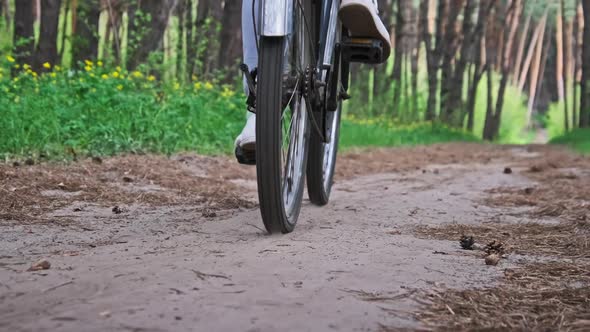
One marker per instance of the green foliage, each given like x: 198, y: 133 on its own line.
x: 101, y: 111
x: 578, y: 140
x: 514, y: 113
x: 381, y: 132
x: 554, y: 119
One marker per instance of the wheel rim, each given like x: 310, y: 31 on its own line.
x: 330, y: 149
x: 294, y: 121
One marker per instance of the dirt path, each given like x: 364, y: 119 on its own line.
x: 205, y: 264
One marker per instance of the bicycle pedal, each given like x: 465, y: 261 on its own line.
x: 245, y: 157
x: 362, y: 50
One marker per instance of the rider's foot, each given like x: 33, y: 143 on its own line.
x: 246, y: 142
x: 361, y: 18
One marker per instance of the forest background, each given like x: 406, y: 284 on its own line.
x: 108, y: 76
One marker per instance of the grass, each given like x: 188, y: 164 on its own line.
x: 375, y: 133
x: 578, y: 140
x: 100, y: 111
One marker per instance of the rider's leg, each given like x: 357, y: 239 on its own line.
x: 247, y: 138
x: 361, y: 18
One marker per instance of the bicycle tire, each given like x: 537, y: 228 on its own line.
x: 269, y: 140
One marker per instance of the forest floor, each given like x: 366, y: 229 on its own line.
x: 149, y: 243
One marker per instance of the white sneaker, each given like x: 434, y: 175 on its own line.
x: 245, y: 146
x: 361, y: 18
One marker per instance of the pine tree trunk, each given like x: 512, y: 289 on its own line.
x: 85, y: 39
x: 562, y: 55
x: 231, y: 37
x: 396, y: 75
x: 534, y: 41
x: 151, y: 40
x: 180, y: 12
x: 24, y: 39
x: 191, y: 49
x: 535, y: 71
x: 47, y: 47
x: 584, y: 113
x: 5, y: 10
x: 450, y: 113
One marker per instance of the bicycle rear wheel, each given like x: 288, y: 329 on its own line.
x: 282, y: 125
x: 323, y: 151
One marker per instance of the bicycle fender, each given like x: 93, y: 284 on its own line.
x: 276, y: 17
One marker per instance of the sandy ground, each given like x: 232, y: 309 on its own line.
x: 184, y: 249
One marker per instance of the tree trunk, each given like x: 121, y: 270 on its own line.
x: 396, y: 75
x: 64, y: 28
x: 534, y: 41
x: 450, y: 115
x: 231, y: 37
x: 191, y: 49
x: 209, y: 15
x: 85, y: 41
x: 180, y: 13
x: 149, y: 41
x: 535, y: 70
x: 584, y: 113
x: 47, y: 46
x: 512, y: 17
x: 562, y: 60
x: 24, y: 39
x: 520, y: 52
x: 381, y: 81
x: 479, y: 67
x: 487, y: 129
x: 5, y: 10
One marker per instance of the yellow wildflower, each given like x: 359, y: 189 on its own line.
x: 99, y: 63
x: 91, y: 75
x: 119, y: 87
x: 208, y: 86
x: 227, y: 93
x: 34, y: 74
x: 105, y: 76
x: 17, y: 66
x: 88, y: 63
x: 118, y: 68
x: 26, y: 67
x: 10, y: 59
x: 15, y: 79
x: 58, y: 68
x: 137, y: 74
x: 151, y: 78
x: 176, y: 86
x: 198, y: 85
x: 115, y: 74
x: 53, y: 75
x: 88, y: 68
x: 47, y: 65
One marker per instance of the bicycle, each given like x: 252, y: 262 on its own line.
x: 297, y: 93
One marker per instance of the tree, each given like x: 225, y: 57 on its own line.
x: 149, y: 31
x: 85, y: 31
x: 46, y: 51
x: 24, y: 39
x: 584, y: 113
x: 231, y: 38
